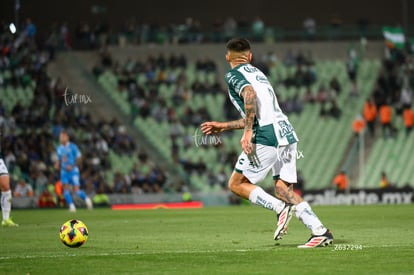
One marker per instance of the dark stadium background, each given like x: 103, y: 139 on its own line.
x: 287, y: 14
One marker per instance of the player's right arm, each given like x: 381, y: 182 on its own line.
x: 57, y: 165
x: 57, y: 162
x: 215, y: 127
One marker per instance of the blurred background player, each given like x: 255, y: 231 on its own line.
x: 268, y: 142
x: 6, y: 195
x: 69, y: 160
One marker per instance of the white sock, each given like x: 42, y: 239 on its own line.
x: 72, y: 207
x: 310, y: 220
x: 6, y: 198
x: 259, y: 197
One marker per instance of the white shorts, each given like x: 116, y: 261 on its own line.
x: 256, y: 166
x: 3, y: 168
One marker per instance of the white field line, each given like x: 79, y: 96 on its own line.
x: 132, y: 253
x: 137, y: 253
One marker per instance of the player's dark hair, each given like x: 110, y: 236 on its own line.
x: 238, y: 45
x: 64, y: 131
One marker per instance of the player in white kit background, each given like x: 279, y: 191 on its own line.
x: 269, y: 142
x: 6, y: 194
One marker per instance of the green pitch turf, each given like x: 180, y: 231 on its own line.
x: 216, y: 240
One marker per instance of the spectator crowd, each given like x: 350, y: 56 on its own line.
x: 30, y: 128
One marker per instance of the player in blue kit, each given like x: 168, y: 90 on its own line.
x: 68, y: 163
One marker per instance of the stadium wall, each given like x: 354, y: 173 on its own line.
x: 318, y: 50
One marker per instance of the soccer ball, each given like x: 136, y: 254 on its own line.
x: 73, y: 233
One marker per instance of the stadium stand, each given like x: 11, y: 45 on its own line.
x: 167, y: 97
x: 315, y: 145
x: 32, y: 112
x: 392, y: 153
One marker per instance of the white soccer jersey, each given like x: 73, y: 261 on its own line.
x: 271, y: 126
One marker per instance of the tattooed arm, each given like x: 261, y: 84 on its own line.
x: 250, y: 107
x: 214, y: 127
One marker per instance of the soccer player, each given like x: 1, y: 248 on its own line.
x: 269, y: 143
x: 6, y: 195
x: 68, y: 162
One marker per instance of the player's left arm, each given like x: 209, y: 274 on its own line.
x: 250, y: 108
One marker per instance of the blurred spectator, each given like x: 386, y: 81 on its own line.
x: 406, y: 98
x: 385, y: 112
x: 341, y: 181
x: 354, y: 93
x: 323, y: 112
x: 100, y: 198
x: 322, y: 95
x: 293, y: 105
x: 334, y: 110
x: 335, y: 85
x: 30, y: 29
x: 221, y: 178
x: 258, y: 29
x: 10, y: 160
x: 408, y: 117
x: 106, y: 57
x: 23, y: 190
x: 47, y: 198
x: 358, y: 125
x: 384, y: 183
x: 352, y: 64
x: 289, y: 58
x: 309, y: 26
x: 176, y: 129
x: 309, y: 97
x: 229, y: 28
x: 120, y: 183
x: 370, y: 115
x: 58, y: 192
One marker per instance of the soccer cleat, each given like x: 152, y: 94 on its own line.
x: 319, y: 240
x: 89, y: 203
x: 72, y: 208
x: 9, y: 223
x: 283, y: 219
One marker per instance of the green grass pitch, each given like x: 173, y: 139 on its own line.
x: 214, y: 240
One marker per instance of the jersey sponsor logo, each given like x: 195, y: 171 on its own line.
x: 285, y: 128
x: 262, y: 79
x: 250, y: 69
x: 236, y: 83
